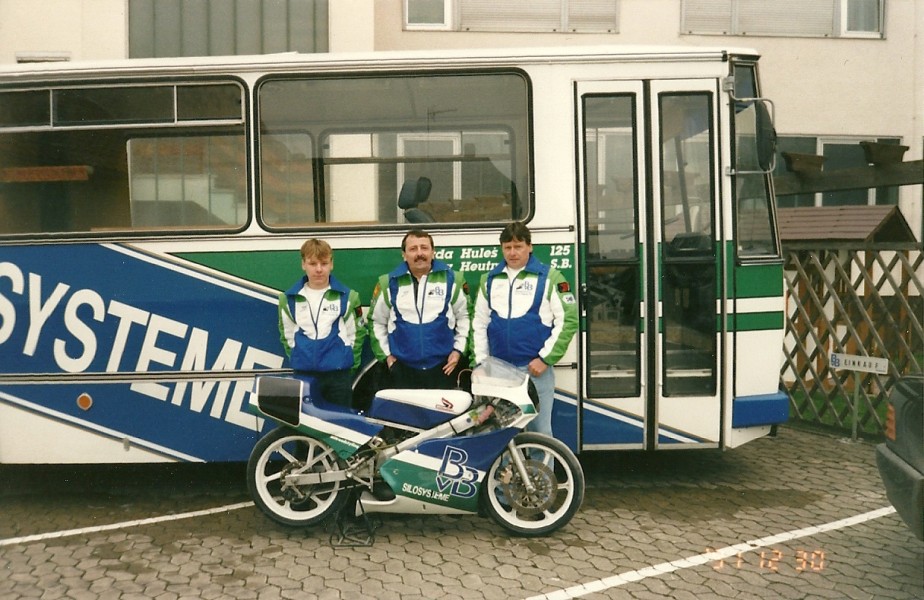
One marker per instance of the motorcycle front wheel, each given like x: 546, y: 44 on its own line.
x: 282, y: 453
x: 547, y: 499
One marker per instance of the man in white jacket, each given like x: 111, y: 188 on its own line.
x: 321, y: 325
x: 421, y: 318
x: 525, y: 314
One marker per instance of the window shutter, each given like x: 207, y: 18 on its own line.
x: 511, y: 15
x: 707, y: 16
x: 592, y: 15
x: 786, y: 17
x: 217, y: 27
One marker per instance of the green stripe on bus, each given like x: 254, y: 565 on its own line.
x: 758, y: 321
x: 758, y: 281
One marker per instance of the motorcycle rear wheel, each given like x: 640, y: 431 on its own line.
x: 557, y: 480
x: 283, y: 452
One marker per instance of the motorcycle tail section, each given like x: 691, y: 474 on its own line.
x: 280, y: 398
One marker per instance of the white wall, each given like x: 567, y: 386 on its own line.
x: 76, y: 29
x: 352, y: 25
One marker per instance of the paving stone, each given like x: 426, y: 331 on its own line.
x: 647, y: 510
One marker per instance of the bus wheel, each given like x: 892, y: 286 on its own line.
x: 279, y: 456
x: 546, y: 499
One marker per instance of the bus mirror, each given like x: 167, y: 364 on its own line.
x: 766, y: 136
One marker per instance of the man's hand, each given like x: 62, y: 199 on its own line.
x: 537, y: 367
x: 451, y: 362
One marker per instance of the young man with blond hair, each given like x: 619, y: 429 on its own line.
x: 321, y: 325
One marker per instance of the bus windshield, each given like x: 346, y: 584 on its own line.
x: 753, y: 142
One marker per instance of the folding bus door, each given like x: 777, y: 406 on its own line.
x: 649, y: 262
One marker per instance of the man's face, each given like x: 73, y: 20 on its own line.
x: 318, y: 271
x: 418, y: 253
x: 516, y: 253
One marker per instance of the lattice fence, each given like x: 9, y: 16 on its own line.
x: 863, y: 301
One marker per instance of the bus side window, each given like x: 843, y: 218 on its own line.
x: 187, y: 182
x: 57, y: 182
x: 122, y: 158
x: 371, y: 133
x: 287, y: 179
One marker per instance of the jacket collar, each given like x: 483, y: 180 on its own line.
x: 334, y: 285
x: 533, y: 265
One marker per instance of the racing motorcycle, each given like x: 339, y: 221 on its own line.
x: 413, y: 452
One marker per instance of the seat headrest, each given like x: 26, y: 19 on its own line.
x: 414, y: 192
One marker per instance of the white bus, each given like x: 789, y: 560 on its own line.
x: 151, y: 210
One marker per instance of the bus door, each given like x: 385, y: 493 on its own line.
x: 648, y: 202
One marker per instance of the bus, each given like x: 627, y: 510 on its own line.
x: 152, y: 209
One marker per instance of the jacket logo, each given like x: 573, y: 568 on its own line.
x: 525, y: 286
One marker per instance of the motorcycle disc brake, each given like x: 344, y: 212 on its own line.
x: 527, y: 503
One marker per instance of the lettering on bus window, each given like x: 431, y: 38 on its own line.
x: 394, y: 149
x: 104, y: 158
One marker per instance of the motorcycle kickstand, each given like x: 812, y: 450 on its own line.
x: 352, y: 530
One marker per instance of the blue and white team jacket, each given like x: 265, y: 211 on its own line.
x: 422, y: 330
x: 534, y: 315
x: 328, y: 337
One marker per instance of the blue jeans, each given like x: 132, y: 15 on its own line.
x: 545, y: 387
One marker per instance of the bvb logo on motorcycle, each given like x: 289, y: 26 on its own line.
x: 454, y: 475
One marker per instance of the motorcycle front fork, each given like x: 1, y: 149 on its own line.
x: 520, y: 465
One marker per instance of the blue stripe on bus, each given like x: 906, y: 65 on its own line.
x: 760, y: 409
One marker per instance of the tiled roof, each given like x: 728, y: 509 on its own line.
x: 844, y: 223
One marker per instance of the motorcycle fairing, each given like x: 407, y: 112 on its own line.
x: 422, y: 409
x: 340, y: 428
x: 446, y: 472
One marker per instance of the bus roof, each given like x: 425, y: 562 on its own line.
x: 377, y: 60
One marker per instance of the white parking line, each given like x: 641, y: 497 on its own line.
x: 693, y: 561
x: 89, y: 530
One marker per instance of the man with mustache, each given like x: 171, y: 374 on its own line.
x: 421, y: 318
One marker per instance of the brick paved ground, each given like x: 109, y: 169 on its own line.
x: 640, y: 511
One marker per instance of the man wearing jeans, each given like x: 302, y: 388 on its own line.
x: 526, y: 315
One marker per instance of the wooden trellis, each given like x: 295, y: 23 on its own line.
x: 854, y: 300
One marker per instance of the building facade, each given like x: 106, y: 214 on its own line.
x: 838, y: 71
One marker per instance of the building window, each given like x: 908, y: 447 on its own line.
x: 839, y: 153
x: 428, y: 14
x: 792, y: 18
x: 568, y: 16
x: 861, y: 18
x: 226, y: 27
